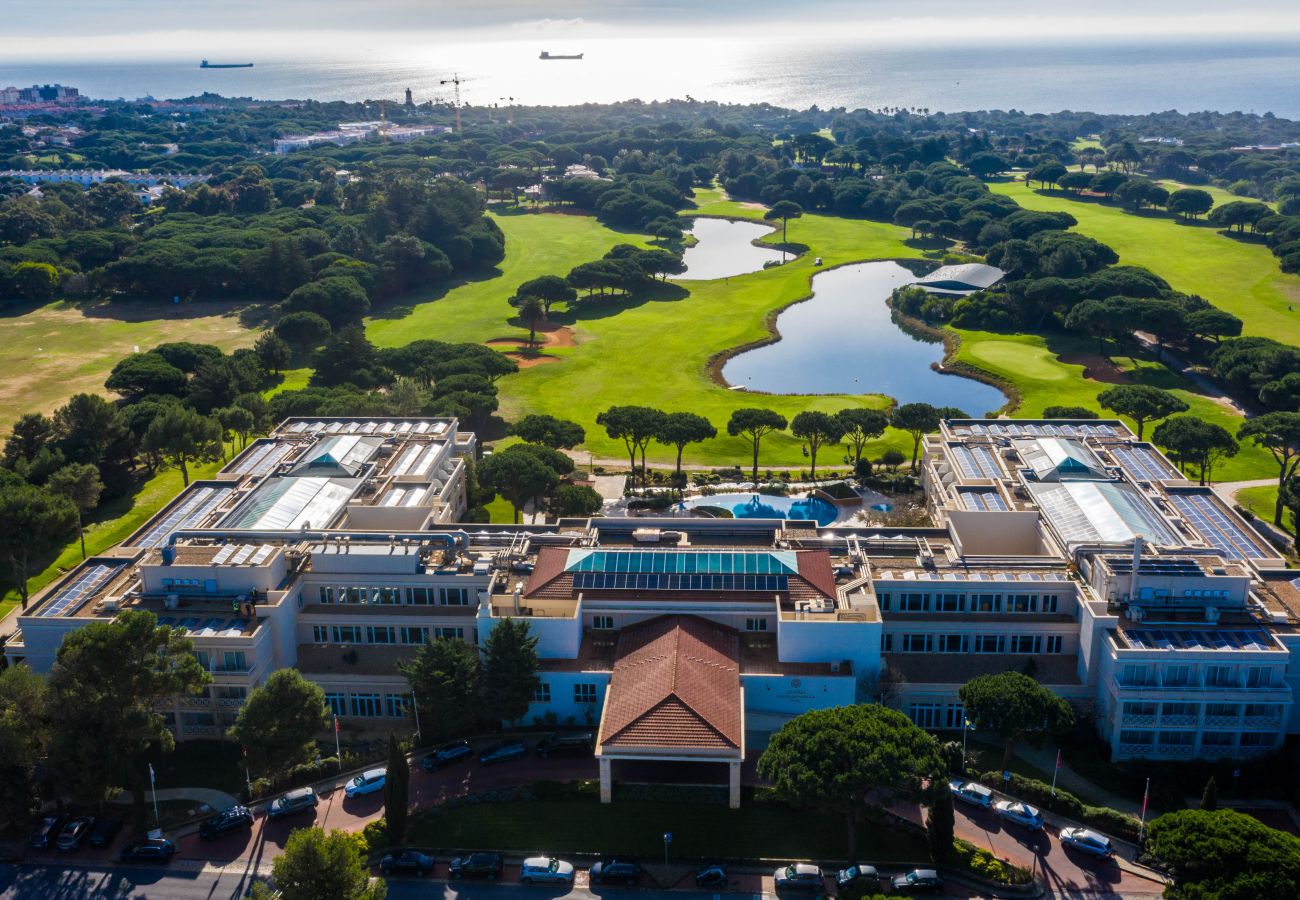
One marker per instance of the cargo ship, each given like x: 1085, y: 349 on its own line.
x: 546, y: 54
x: 207, y: 65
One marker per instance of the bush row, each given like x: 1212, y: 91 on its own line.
x: 1111, y: 821
x: 985, y: 865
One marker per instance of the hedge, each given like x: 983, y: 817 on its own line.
x: 1039, y: 793
x: 987, y: 866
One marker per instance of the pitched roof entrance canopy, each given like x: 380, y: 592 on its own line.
x: 675, y: 691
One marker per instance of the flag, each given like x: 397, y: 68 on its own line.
x: 151, y: 773
x: 336, y: 724
x: 1145, y: 794
x: 244, y: 751
x: 1058, y: 759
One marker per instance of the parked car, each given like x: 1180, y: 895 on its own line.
x: 1087, y: 841
x: 972, y: 793
x: 224, y: 822
x: 153, y: 850
x: 105, y: 830
x: 446, y: 755
x: 799, y: 876
x: 1020, y: 813
x: 47, y: 832
x: 368, y: 782
x: 917, y: 881
x: 858, y: 877
x: 301, y: 800
x: 503, y: 752
x: 713, y: 875
x: 488, y: 865
x: 406, y: 862
x: 566, y: 745
x: 608, y: 870
x: 74, y: 832
x: 546, y: 870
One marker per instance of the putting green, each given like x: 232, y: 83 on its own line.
x: 1037, y: 363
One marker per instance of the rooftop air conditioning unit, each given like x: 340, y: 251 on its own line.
x: 835, y: 666
x: 173, y: 601
x: 110, y: 604
x: 647, y: 535
x: 1135, y: 613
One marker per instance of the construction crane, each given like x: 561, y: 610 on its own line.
x: 455, y: 80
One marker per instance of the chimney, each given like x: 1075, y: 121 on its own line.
x: 1137, y: 561
x: 519, y: 590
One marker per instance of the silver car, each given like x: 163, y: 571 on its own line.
x: 1087, y: 841
x: 546, y: 870
x: 972, y: 793
x: 1020, y: 813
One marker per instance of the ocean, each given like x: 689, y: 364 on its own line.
x: 1131, y: 77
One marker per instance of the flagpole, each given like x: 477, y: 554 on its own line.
x: 153, y: 786
x: 965, y: 727
x: 338, y: 754
x: 1056, y: 770
x: 415, y: 706
x: 1142, y: 827
x: 248, y: 776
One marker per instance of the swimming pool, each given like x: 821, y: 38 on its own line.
x: 762, y: 506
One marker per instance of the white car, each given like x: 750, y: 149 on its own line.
x: 972, y: 793
x: 366, y: 783
x: 1087, y: 841
x: 546, y: 870
x: 1020, y: 812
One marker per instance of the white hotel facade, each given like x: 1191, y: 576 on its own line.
x: 333, y: 546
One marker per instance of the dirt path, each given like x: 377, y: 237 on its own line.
x: 1096, y: 367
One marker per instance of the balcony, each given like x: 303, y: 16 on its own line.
x: 1168, y: 721
x: 1139, y: 720
x: 1222, y: 721
x: 1176, y: 751
x: 196, y: 703
x: 1136, y: 749
x: 1261, y: 721
x: 1215, y: 751
x: 234, y: 669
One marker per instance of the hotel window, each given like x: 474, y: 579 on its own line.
x: 603, y: 623
x: 1049, y: 603
x: 418, y: 596
x: 1144, y: 738
x: 1025, y: 643
x: 455, y: 596
x: 397, y: 705
x: 542, y: 694
x: 337, y: 704
x: 326, y: 594
x: 954, y: 715
x: 1178, y: 709
x: 883, y: 600
x: 452, y: 634
x: 913, y: 602
x: 916, y: 643
x: 986, y: 602
x: 925, y: 715
x: 1259, y: 677
x: 387, y: 595
x: 988, y: 643
x: 1175, y: 676
x: 1021, y: 603
x: 1222, y: 710
x: 205, y: 661
x: 381, y: 634
x: 1261, y: 711
x: 1219, y: 676
x: 756, y: 624
x: 366, y: 706
x: 1258, y: 739
x: 414, y: 634
x: 886, y: 643
x: 584, y: 693
x: 234, y: 661
x: 1139, y: 708
x: 1053, y: 644
x: 229, y: 692
x: 951, y: 643
x: 1216, y: 739
x: 1177, y: 738
x: 1137, y: 675
x: 949, y: 602
x: 354, y: 595
x: 347, y: 634
x: 320, y: 634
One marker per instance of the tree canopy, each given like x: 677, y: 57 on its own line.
x: 445, y: 675
x: 279, y: 721
x: 1225, y: 855
x: 755, y: 423
x: 1012, y: 705
x: 1142, y: 403
x: 510, y: 667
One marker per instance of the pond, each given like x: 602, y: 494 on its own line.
x: 723, y: 249
x: 843, y: 341
x: 763, y: 506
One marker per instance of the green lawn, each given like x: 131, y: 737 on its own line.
x: 52, y: 352
x: 636, y: 828
x: 1261, y: 501
x: 1240, y: 277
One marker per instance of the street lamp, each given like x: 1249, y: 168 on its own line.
x: 415, y: 708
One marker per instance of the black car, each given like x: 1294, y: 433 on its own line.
x: 566, y: 745
x: 74, y: 832
x: 917, y: 881
x: 608, y: 870
x: 153, y: 850
x: 858, y: 880
x: 714, y: 875
x: 446, y: 755
x: 104, y: 831
x: 506, y: 751
x: 406, y: 862
x: 488, y: 865
x: 47, y: 832
x: 232, y: 819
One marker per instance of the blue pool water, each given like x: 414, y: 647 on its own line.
x: 761, y: 506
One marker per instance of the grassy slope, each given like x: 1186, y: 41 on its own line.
x: 1242, y: 278
x: 1261, y: 501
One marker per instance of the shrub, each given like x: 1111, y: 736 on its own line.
x: 261, y: 787
x: 373, y: 838
x: 984, y: 864
x: 1112, y: 821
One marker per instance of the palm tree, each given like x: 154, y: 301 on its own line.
x: 532, y: 311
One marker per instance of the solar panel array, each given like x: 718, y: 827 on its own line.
x: 423, y: 426
x: 72, y: 595
x: 1036, y: 429
x: 1210, y: 639
x: 1142, y: 463
x: 1216, y: 527
x: 681, y: 563
x: 261, y: 459
x: 1176, y: 568
x: 204, y: 627
x: 985, y: 500
x: 653, y: 581
x: 194, y: 507
x: 975, y: 462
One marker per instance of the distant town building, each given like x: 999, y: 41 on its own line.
x: 960, y: 280
x: 87, y: 177
x: 355, y: 133
x: 39, y: 93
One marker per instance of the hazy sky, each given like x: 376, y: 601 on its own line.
x: 70, y: 28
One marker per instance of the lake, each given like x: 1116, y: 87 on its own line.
x: 724, y: 248
x: 844, y: 341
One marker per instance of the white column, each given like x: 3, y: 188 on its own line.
x: 606, y: 781
x: 734, y: 771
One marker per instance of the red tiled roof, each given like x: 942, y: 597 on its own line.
x: 815, y: 568
x: 675, y: 684
x: 550, y: 565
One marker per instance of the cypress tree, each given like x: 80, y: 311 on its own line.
x: 397, y: 792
